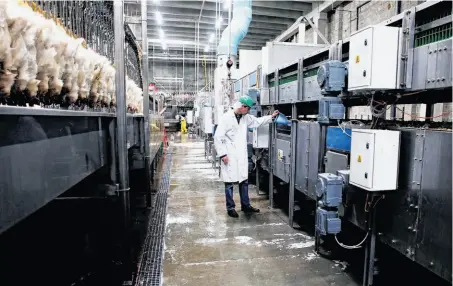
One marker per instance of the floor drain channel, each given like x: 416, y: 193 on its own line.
x: 151, y: 258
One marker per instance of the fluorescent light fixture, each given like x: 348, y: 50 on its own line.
x: 226, y: 4
x: 211, y: 38
x: 172, y: 41
x: 218, y: 23
x: 159, y: 18
x: 161, y: 33
x: 206, y: 49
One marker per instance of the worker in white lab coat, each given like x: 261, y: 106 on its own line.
x: 230, y: 141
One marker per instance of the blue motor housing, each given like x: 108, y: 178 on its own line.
x: 329, y: 188
x: 330, y: 108
x: 332, y: 77
x: 327, y: 222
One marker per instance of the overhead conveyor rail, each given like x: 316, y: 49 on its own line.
x: 48, y: 144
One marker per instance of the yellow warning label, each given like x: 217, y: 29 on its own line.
x: 359, y: 158
x: 357, y: 59
x: 279, y: 154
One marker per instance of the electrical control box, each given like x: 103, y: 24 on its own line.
x: 373, y: 58
x: 374, y: 161
x: 261, y: 137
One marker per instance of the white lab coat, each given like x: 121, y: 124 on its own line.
x: 231, y: 139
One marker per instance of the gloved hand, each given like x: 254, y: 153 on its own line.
x: 275, y: 114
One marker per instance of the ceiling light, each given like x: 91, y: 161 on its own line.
x: 161, y: 33
x: 226, y: 4
x: 206, y: 49
x: 211, y: 38
x: 159, y: 18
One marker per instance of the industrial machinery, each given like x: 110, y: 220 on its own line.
x: 53, y: 139
x: 351, y: 168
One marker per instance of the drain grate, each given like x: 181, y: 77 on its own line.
x: 151, y: 259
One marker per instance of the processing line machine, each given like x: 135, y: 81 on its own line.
x: 389, y: 177
x: 48, y: 149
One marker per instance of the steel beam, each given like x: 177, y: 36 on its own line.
x: 190, y: 45
x: 210, y: 16
x: 193, y: 7
x: 305, y: 6
x: 205, y: 36
x: 178, y: 27
x: 204, y: 23
x: 323, y: 7
x: 180, y: 59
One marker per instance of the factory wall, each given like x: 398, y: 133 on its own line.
x: 173, y: 72
x: 351, y: 16
x: 248, y: 61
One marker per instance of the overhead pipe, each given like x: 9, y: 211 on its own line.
x: 237, y: 28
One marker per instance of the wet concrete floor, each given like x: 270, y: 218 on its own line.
x: 204, y: 246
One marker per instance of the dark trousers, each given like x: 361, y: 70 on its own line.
x: 243, y: 193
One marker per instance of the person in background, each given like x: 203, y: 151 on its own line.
x: 230, y: 141
x: 183, y: 125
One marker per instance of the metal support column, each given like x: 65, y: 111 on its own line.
x: 317, y: 236
x: 257, y: 171
x: 322, y: 147
x: 393, y: 112
x: 120, y: 87
x: 146, y: 129
x: 120, y: 84
x: 300, y: 80
x: 272, y: 132
x: 113, y: 165
x: 292, y: 178
x: 370, y: 248
x: 276, y: 91
x: 429, y: 112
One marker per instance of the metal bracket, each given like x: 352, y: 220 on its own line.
x: 312, y: 25
x: 113, y: 190
x: 406, y: 49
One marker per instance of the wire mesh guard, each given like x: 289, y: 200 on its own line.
x: 435, y: 34
x: 91, y: 25
x: 151, y: 258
